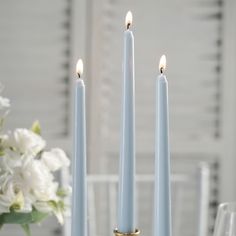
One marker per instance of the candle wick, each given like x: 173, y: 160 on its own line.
x: 161, y: 70
x: 128, y: 26
x: 78, y: 75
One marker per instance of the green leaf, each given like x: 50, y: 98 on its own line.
x: 22, y: 218
x: 26, y: 228
x: 36, y: 128
x: 15, y: 218
x: 52, y: 204
x: 61, y: 192
x: 38, y: 216
x: 1, y: 122
x: 56, y: 206
x: 2, y: 153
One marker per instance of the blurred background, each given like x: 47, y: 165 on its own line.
x: 40, y: 42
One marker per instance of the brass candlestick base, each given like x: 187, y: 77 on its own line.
x: 117, y: 233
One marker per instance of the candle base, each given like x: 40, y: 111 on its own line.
x: 117, y: 233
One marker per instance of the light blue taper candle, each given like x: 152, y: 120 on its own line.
x: 162, y: 216
x: 79, y: 197
x: 126, y: 211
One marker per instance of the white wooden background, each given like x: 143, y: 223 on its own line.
x: 198, y: 38
x: 40, y: 42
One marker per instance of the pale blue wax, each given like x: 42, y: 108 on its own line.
x: 126, y: 206
x: 79, y: 194
x: 162, y: 216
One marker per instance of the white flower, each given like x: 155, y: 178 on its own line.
x: 26, y: 141
x: 9, y: 161
x: 60, y: 216
x: 42, y: 206
x: 26, y: 171
x: 4, y: 204
x: 51, y: 206
x: 5, y: 193
x: 36, y: 180
x: 26, y: 179
x: 55, y: 159
x: 32, y: 179
x: 27, y: 207
x: 4, y: 140
x: 10, y: 197
x: 4, y: 103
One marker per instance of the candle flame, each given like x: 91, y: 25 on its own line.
x: 162, y: 64
x: 79, y: 67
x: 128, y: 19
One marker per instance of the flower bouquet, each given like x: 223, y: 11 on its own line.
x: 29, y: 192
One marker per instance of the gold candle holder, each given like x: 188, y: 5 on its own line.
x: 117, y: 233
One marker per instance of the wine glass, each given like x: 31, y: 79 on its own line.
x: 225, y: 224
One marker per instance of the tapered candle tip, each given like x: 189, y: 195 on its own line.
x: 128, y: 19
x: 79, y: 67
x: 162, y: 64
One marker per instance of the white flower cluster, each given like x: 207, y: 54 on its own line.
x: 26, y: 179
x: 26, y: 173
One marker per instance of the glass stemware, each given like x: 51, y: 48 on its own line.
x: 225, y: 224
